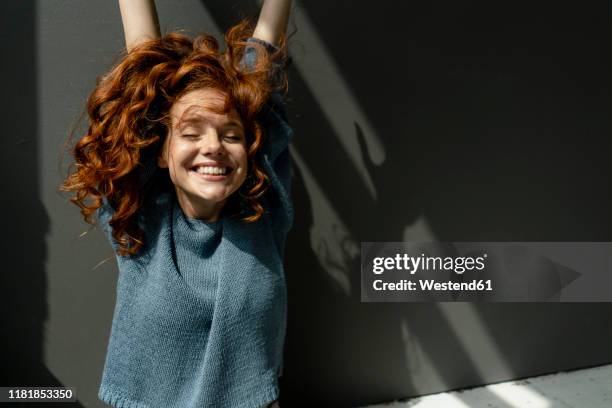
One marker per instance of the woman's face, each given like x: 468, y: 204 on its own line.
x: 205, y: 153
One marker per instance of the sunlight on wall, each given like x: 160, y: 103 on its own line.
x: 482, y: 350
x: 331, y: 92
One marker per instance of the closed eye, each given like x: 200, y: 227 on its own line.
x: 235, y: 138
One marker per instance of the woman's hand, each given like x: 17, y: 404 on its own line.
x: 140, y: 21
x: 272, y: 22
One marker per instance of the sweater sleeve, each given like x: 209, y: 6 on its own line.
x: 274, y: 154
x: 104, y: 215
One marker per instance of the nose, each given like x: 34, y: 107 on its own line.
x: 211, y: 144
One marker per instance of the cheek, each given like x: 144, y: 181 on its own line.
x: 242, y: 161
x: 177, y: 155
x: 180, y: 152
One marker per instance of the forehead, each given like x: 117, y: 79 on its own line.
x: 202, y: 105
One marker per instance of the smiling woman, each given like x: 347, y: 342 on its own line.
x: 206, y: 152
x: 186, y: 166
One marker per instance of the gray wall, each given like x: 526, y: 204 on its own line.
x: 454, y: 121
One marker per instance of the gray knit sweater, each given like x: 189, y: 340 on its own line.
x: 200, y: 315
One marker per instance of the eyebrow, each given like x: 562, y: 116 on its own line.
x: 233, y: 122
x: 195, y: 120
x: 191, y: 119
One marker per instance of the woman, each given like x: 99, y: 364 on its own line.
x: 186, y: 165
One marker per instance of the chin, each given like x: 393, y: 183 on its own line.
x: 214, y: 200
x: 212, y: 196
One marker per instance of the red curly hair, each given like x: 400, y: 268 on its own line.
x: 129, y: 112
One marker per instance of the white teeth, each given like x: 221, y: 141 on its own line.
x: 211, y: 170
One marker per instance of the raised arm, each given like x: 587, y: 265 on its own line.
x: 139, y: 21
x: 272, y: 22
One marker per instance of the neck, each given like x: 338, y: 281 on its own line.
x: 197, y: 208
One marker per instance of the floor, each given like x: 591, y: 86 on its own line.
x: 588, y: 388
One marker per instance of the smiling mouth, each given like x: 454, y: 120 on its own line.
x: 212, y: 170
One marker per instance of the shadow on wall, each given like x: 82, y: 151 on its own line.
x: 23, y: 282
x: 492, y: 133
x: 496, y: 129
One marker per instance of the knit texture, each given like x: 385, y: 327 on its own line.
x: 200, y: 315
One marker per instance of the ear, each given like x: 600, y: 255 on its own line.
x: 162, y: 158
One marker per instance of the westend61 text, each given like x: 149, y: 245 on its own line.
x: 430, y: 284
